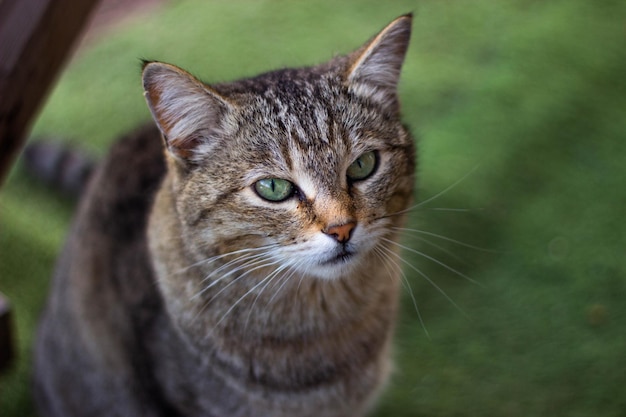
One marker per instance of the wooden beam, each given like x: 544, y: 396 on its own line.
x: 6, y: 335
x: 36, y: 37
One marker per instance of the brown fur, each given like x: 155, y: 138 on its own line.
x: 216, y: 302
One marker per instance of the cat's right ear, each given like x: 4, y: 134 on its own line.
x: 374, y: 69
x: 188, y: 112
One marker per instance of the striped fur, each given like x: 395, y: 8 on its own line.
x: 182, y: 292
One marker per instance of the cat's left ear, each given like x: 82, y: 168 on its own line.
x: 189, y: 113
x: 374, y: 69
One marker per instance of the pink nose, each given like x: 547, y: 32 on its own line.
x: 340, y: 232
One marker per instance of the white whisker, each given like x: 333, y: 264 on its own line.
x: 224, y: 255
x: 439, y: 247
x: 403, y: 280
x: 448, y: 188
x: 427, y: 278
x: 438, y: 262
x: 458, y: 242
x: 269, y: 280
x: 461, y: 210
x: 208, y: 302
x: 285, y: 279
x: 259, y: 264
x: 434, y: 197
x: 245, y: 263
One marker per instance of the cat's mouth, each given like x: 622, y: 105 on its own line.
x: 342, y: 256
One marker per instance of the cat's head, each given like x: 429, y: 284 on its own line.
x: 303, y: 170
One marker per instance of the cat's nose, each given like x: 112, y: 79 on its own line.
x: 341, y: 232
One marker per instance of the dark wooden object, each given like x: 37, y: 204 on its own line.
x: 6, y: 334
x: 36, y: 37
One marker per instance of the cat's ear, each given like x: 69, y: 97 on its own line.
x: 374, y: 69
x: 188, y: 112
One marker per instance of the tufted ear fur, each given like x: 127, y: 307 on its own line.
x: 189, y: 113
x: 374, y: 69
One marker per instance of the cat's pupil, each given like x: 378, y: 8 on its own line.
x: 274, y: 189
x: 363, y: 167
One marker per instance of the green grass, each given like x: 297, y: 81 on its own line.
x: 527, y: 97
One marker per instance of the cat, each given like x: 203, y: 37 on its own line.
x: 232, y: 258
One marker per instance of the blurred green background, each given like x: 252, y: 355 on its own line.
x: 520, y: 110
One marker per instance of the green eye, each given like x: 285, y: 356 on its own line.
x: 363, y: 167
x: 274, y: 189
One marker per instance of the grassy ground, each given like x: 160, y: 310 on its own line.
x: 527, y: 97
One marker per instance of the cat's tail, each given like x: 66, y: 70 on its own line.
x: 58, y: 165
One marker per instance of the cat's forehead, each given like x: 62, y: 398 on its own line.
x: 308, y: 110
x: 307, y: 124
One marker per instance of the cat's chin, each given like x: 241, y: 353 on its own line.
x: 336, y: 266
x: 331, y: 272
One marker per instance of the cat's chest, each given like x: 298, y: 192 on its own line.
x: 266, y: 376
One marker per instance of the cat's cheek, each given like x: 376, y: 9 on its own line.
x: 397, y: 203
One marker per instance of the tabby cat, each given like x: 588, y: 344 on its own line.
x: 232, y: 259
